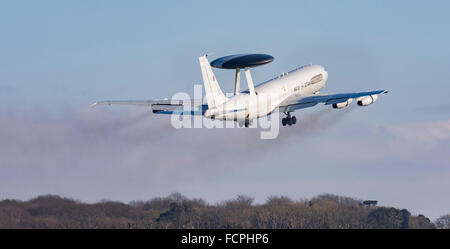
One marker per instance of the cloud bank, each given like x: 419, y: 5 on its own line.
x: 133, y: 154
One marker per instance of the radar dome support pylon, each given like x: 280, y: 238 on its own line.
x: 237, y: 82
x: 251, y: 87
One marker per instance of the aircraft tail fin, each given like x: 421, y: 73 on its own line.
x: 214, y: 95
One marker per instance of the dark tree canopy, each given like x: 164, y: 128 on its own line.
x: 178, y: 211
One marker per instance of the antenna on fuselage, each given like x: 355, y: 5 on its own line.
x: 242, y: 61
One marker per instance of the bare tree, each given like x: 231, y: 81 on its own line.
x: 443, y: 222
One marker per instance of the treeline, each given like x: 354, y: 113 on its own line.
x: 177, y: 211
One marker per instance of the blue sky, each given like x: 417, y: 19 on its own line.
x: 57, y: 57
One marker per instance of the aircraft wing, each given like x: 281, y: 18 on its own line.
x: 299, y: 101
x: 163, y: 106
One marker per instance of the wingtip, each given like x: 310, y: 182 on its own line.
x: 93, y: 105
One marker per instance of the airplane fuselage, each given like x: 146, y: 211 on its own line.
x: 305, y: 80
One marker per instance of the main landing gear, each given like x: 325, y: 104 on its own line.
x: 246, y: 123
x: 288, y: 120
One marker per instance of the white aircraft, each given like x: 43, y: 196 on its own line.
x: 286, y: 93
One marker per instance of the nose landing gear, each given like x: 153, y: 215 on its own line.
x: 288, y: 120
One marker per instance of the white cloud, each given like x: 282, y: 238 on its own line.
x: 429, y: 133
x: 125, y: 155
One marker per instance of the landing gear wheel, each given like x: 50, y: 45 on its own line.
x: 247, y: 123
x: 288, y: 120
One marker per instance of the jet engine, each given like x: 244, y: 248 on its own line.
x: 342, y: 104
x: 367, y: 100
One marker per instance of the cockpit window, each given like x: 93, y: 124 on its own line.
x: 316, y: 79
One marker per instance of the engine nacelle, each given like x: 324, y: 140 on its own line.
x: 367, y: 100
x: 342, y: 104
